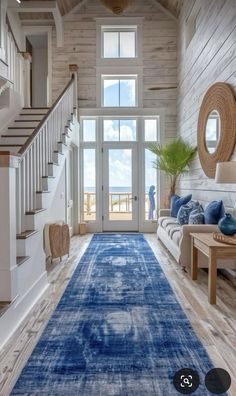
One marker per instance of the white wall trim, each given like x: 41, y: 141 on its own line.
x: 121, y: 21
x: 125, y: 71
x: 18, y: 311
x: 44, y: 6
x: 59, y: 26
x: 121, y: 112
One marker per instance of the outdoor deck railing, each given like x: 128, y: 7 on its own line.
x: 119, y: 202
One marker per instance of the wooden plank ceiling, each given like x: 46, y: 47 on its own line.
x: 173, y: 6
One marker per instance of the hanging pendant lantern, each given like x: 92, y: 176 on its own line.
x: 117, y: 6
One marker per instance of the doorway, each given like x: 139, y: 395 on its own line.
x: 39, y: 69
x: 120, y: 188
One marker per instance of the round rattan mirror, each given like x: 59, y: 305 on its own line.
x: 216, y: 127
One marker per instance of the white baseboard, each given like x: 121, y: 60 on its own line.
x: 16, y: 313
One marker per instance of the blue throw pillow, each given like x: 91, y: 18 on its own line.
x: 176, y: 202
x: 197, y: 216
x: 214, y: 212
x: 185, y: 211
x: 183, y: 214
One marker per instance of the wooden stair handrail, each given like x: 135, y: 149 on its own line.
x: 26, y: 146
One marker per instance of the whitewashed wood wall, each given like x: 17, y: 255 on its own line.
x: 210, y: 57
x: 159, y: 56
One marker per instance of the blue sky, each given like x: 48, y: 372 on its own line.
x: 119, y: 93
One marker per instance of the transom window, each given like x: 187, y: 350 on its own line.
x: 119, y: 42
x: 119, y: 130
x: 119, y: 91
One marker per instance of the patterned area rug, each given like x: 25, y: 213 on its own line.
x: 117, y: 331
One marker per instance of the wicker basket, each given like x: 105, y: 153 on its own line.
x: 59, y: 239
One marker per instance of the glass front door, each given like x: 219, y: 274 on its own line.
x: 120, y: 189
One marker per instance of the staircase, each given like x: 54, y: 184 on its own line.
x: 33, y: 152
x: 23, y: 127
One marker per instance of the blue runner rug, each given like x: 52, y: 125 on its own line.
x: 118, y: 329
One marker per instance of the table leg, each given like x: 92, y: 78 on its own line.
x: 194, y: 261
x: 212, y: 276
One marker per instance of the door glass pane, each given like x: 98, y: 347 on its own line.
x: 127, y: 93
x: 150, y: 187
x: 89, y: 196
x: 111, y: 130
x: 120, y: 184
x: 111, y: 44
x: 89, y: 130
x: 127, y: 45
x: 150, y: 130
x: 111, y: 93
x: 127, y: 130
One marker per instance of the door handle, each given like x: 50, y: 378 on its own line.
x: 135, y: 198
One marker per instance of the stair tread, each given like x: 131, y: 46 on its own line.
x: 26, y: 234
x: 53, y: 163
x: 33, y: 108
x: 64, y: 144
x: 16, y: 127
x: 58, y: 152
x: 21, y: 259
x: 35, y: 211
x: 27, y: 120
x: 15, y: 136
x: 48, y: 177
x: 43, y: 192
x: 11, y: 145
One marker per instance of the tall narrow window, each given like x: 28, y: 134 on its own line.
x: 89, y: 130
x: 119, y: 92
x: 150, y: 130
x: 119, y: 42
x: 89, y: 187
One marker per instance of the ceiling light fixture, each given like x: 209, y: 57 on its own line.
x: 117, y: 6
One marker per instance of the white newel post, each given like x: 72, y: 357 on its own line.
x: 8, y: 266
x: 27, y: 62
x: 74, y: 72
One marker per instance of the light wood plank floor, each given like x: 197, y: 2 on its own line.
x: 215, y: 325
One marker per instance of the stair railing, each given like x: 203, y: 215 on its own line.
x: 38, y: 152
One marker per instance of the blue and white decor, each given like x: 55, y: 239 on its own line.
x: 185, y: 211
x: 118, y: 329
x: 197, y: 216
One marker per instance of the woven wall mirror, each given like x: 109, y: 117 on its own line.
x: 216, y: 127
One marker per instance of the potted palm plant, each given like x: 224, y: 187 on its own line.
x: 173, y: 159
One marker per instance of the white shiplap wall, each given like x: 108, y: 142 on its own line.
x: 159, y: 56
x: 210, y: 57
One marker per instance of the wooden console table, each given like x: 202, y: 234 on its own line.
x: 214, y: 250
